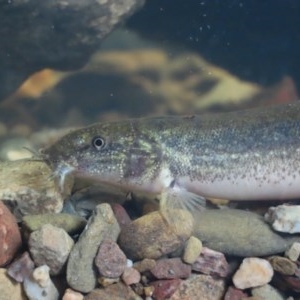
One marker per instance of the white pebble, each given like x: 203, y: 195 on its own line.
x: 253, y: 272
x: 293, y: 252
x: 284, y: 218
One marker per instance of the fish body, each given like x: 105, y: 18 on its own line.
x: 244, y: 155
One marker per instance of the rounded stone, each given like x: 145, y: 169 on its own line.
x: 151, y: 236
x: 192, y: 250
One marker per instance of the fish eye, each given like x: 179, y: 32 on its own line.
x: 98, y: 142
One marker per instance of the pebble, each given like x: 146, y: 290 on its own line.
x: 192, y: 250
x: 105, y: 281
x: 27, y: 183
x: 164, y: 289
x: 121, y: 214
x: 50, y: 246
x: 118, y: 291
x: 171, y: 268
x: 39, y: 285
x: 211, y: 262
x: 21, y: 267
x: 293, y: 252
x: 283, y: 265
x: 10, y: 290
x: 253, y: 272
x: 72, y: 295
x: 208, y: 287
x: 150, y: 236
x: 110, y: 259
x: 284, y: 218
x: 101, y: 225
x: 70, y: 223
x: 10, y: 237
x: 144, y: 265
x: 131, y: 276
x: 237, y: 232
x: 267, y: 292
x: 233, y: 293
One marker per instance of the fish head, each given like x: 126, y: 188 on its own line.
x: 120, y: 154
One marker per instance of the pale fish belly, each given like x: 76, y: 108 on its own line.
x: 274, y: 187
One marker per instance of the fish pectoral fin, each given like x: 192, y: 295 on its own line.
x: 177, y: 206
x: 179, y: 198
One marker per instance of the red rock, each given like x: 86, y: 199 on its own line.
x: 164, y: 289
x: 10, y: 237
x: 292, y: 282
x: 171, y: 268
x: 131, y: 276
x: 234, y: 294
x: 110, y: 259
x: 120, y: 214
x: 21, y: 268
x: 211, y: 262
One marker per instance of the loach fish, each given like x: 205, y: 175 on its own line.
x: 183, y: 160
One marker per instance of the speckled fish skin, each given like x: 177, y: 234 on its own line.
x: 245, y: 155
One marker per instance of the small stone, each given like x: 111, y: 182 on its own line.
x: 211, y: 262
x: 21, y: 268
x: 164, y: 289
x: 10, y: 237
x: 50, y: 246
x: 10, y: 290
x: 118, y: 291
x: 253, y: 272
x: 72, y: 295
x: 284, y: 218
x: 105, y: 281
x: 144, y: 265
x: 192, y: 250
x: 171, y: 268
x: 267, y: 292
x: 152, y: 237
x: 121, y: 214
x: 149, y: 290
x: 293, y: 252
x: 208, y: 287
x: 292, y: 282
x: 102, y: 225
x: 110, y: 260
x: 283, y: 265
x: 39, y: 285
x: 70, y: 223
x: 234, y: 294
x: 131, y: 276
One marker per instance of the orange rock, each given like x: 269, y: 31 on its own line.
x: 10, y: 237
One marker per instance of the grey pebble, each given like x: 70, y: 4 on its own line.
x: 238, y: 232
x: 81, y: 269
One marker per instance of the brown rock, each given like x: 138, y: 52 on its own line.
x: 10, y: 290
x: 121, y: 214
x: 211, y: 262
x: 110, y: 259
x: 152, y: 237
x: 164, y: 289
x: 234, y: 294
x: 21, y: 268
x: 171, y: 268
x: 50, y: 246
x: 205, y: 285
x: 10, y: 237
x: 131, y: 276
x: 72, y: 295
x: 118, y: 291
x: 144, y: 265
x: 283, y: 265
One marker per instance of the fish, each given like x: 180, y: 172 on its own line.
x: 250, y: 154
